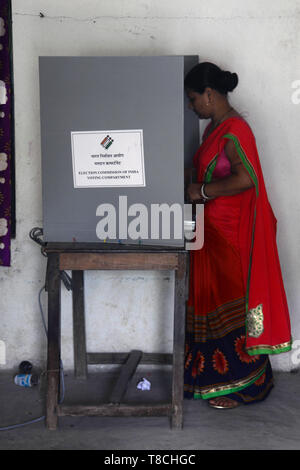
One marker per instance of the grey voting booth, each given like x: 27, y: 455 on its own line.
x: 116, y: 133
x: 138, y: 104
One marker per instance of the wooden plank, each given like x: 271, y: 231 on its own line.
x: 53, y: 359
x: 120, y: 358
x: 79, y: 337
x: 107, y: 358
x: 73, y: 247
x: 178, y: 345
x: 127, y: 372
x: 140, y: 261
x: 126, y: 410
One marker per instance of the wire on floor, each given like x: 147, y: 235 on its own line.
x: 41, y: 418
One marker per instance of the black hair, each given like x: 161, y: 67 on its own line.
x: 210, y: 75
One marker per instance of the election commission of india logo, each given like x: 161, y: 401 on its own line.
x: 107, y: 142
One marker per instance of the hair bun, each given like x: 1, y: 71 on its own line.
x: 229, y: 81
x: 206, y: 74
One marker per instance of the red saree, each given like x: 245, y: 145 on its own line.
x: 237, y: 310
x: 246, y: 221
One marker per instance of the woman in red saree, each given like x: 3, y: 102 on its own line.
x: 237, y: 312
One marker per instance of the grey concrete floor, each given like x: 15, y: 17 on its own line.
x: 270, y: 425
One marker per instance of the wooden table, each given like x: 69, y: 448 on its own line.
x: 79, y: 257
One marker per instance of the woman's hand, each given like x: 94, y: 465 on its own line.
x: 193, y: 192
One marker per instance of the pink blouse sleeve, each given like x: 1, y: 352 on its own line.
x: 223, y: 167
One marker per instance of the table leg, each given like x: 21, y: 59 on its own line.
x: 80, y: 360
x: 178, y: 345
x: 53, y: 362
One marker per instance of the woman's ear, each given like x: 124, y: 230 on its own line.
x: 208, y: 95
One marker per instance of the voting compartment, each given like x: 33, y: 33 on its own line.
x: 116, y: 133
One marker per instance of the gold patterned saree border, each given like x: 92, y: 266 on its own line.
x: 217, y: 390
x: 267, y: 349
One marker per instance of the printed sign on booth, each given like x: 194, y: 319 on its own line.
x: 108, y: 158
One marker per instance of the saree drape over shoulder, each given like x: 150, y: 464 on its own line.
x: 237, y: 310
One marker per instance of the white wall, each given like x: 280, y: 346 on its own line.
x: 258, y: 39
